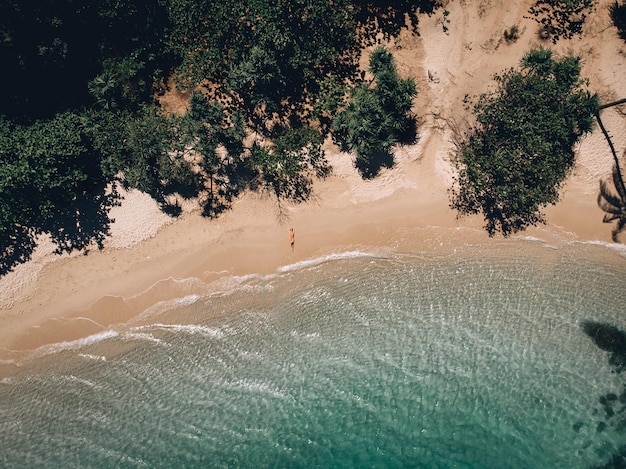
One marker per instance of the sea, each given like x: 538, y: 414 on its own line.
x: 467, y: 356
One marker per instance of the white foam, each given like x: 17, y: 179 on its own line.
x: 620, y: 248
x: 185, y: 328
x: 174, y: 303
x: 321, y: 260
x: 144, y: 336
x: 76, y: 344
x: 228, y: 285
x: 91, y: 356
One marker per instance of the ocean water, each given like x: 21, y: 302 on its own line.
x: 471, y: 357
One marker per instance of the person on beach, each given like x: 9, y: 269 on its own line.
x: 292, y: 238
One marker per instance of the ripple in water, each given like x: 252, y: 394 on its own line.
x: 477, y: 359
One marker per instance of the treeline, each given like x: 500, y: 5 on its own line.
x: 269, y: 81
x: 79, y: 115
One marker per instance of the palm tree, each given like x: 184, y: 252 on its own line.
x: 614, y: 204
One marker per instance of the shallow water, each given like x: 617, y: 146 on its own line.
x: 468, y: 358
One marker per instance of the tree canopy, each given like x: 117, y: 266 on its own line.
x: 377, y: 116
x: 512, y: 163
x: 78, y: 113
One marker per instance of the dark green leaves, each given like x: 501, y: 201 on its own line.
x: 377, y: 117
x: 50, y: 182
x: 512, y: 164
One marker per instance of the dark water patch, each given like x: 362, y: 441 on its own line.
x: 610, y: 339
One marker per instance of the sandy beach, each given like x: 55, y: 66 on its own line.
x: 63, y: 298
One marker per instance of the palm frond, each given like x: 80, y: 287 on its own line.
x: 618, y: 182
x: 610, y: 197
x: 618, y: 229
x: 609, y: 217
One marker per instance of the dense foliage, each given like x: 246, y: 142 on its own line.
x: 49, y: 182
x: 378, y: 116
x: 561, y: 18
x: 79, y: 115
x: 513, y: 162
x: 50, y: 51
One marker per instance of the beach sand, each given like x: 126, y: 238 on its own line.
x: 54, y: 299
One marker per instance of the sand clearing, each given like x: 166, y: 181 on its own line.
x: 54, y: 299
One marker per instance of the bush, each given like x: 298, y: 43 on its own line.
x: 377, y: 117
x: 513, y: 162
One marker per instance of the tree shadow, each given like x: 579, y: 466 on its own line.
x: 17, y: 247
x: 560, y: 20
x: 79, y: 226
x: 229, y: 183
x: 390, y: 17
x: 618, y: 16
x: 408, y: 135
x: 370, y: 166
x: 609, y: 338
x: 84, y: 223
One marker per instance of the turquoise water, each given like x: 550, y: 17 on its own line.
x: 468, y: 359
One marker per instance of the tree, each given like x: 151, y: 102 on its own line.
x: 268, y: 57
x: 512, y: 163
x: 286, y: 166
x: 217, y: 142
x: 377, y: 116
x: 66, y: 44
x: 50, y: 182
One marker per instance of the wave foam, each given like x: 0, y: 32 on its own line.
x: 322, y: 260
x: 91, y: 356
x: 174, y: 303
x: 185, y: 328
x: 618, y: 247
x: 77, y: 344
x: 144, y: 336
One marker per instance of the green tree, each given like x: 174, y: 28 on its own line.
x: 66, y: 44
x: 217, y: 141
x: 513, y: 162
x: 151, y: 163
x: 267, y: 57
x: 50, y: 182
x: 286, y: 167
x: 377, y: 116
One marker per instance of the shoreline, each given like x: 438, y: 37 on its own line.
x: 54, y: 299
x: 109, y: 290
